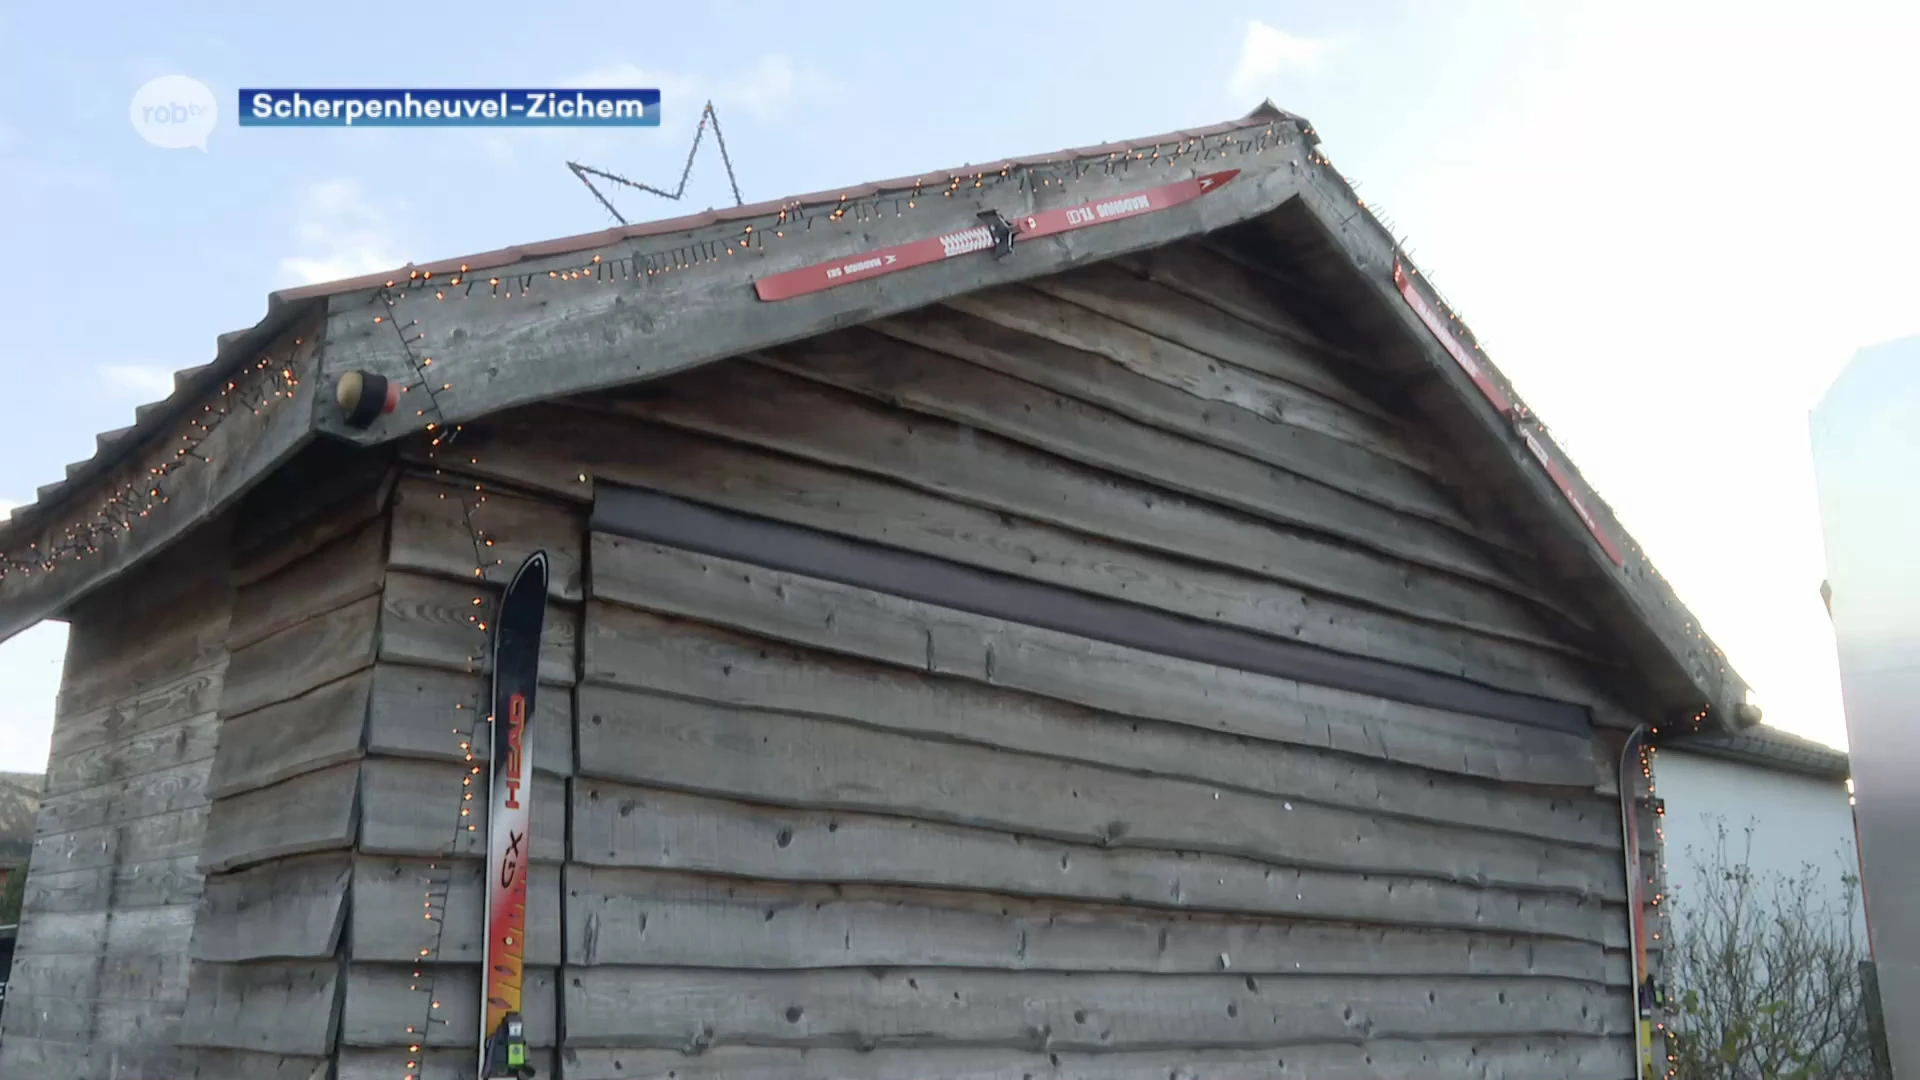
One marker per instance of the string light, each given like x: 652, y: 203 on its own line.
x: 438, y: 884
x: 599, y: 269
x: 254, y: 389
x: 1648, y: 751
x: 797, y: 219
x: 271, y: 379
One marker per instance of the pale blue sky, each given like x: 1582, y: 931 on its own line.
x: 1670, y: 223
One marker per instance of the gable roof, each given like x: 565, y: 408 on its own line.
x: 475, y: 335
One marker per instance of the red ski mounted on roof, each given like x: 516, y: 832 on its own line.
x: 995, y: 233
x: 1504, y: 405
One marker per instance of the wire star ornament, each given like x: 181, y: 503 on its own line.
x: 587, y: 173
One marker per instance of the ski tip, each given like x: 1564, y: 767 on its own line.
x: 535, y: 564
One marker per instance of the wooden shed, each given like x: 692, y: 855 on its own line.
x: 1158, y: 645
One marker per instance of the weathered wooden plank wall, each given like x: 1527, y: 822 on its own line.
x: 412, y: 981
x: 342, y: 899
x: 823, y: 831
x: 100, y: 976
x: 308, y: 567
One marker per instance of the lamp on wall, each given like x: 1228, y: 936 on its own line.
x: 366, y: 397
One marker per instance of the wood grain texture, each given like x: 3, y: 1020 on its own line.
x: 666, y: 919
x: 702, y: 662
x: 769, y: 407
x: 290, y: 909
x: 187, y: 742
x: 282, y: 1007
x: 302, y: 657
x: 792, y: 417
x: 327, y: 579
x: 163, y: 705
x: 162, y: 790
x: 133, y: 883
x: 384, y: 1000
x: 320, y: 728
x: 1113, y: 291
x: 835, y: 618
x: 138, y: 1026
x: 1376, y: 1059
x: 436, y: 623
x: 788, y: 759
x: 936, y: 583
x: 315, y: 811
x: 203, y: 1063
x: 160, y: 836
x: 932, y: 525
x: 1198, y: 272
x: 620, y: 825
x: 1046, y: 1011
x: 1033, y: 312
x: 88, y: 977
x: 429, y: 713
x: 325, y: 492
x: 388, y: 922
x: 359, y: 1063
x: 21, y: 1055
x: 1093, y: 379
x: 121, y: 931
x: 413, y: 807
x: 131, y: 639
x: 433, y: 519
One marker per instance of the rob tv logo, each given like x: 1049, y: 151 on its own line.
x: 174, y: 112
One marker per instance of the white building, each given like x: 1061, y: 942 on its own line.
x: 1790, y: 792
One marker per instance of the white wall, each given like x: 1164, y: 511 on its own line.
x: 1796, y: 820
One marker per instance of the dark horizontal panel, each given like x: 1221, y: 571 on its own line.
x: 649, y: 515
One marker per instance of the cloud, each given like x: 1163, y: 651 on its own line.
x: 149, y: 382
x: 341, y: 235
x: 1268, y: 54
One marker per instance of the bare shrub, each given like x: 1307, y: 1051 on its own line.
x: 1764, y: 970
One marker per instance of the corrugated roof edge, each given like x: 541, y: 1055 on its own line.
x: 1771, y: 748
x: 231, y: 351
x: 284, y: 305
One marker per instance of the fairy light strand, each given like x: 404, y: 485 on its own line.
x: 792, y: 220
x: 1656, y: 887
x: 439, y: 880
x: 255, y: 388
x: 461, y: 284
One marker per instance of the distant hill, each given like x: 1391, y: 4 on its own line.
x: 19, y: 802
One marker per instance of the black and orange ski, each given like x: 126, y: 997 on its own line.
x: 516, y: 675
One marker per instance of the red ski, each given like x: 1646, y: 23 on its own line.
x: 1504, y: 405
x: 995, y: 234
x: 1645, y: 996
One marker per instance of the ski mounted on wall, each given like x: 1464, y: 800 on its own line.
x: 1644, y: 995
x: 516, y: 675
x: 995, y: 233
